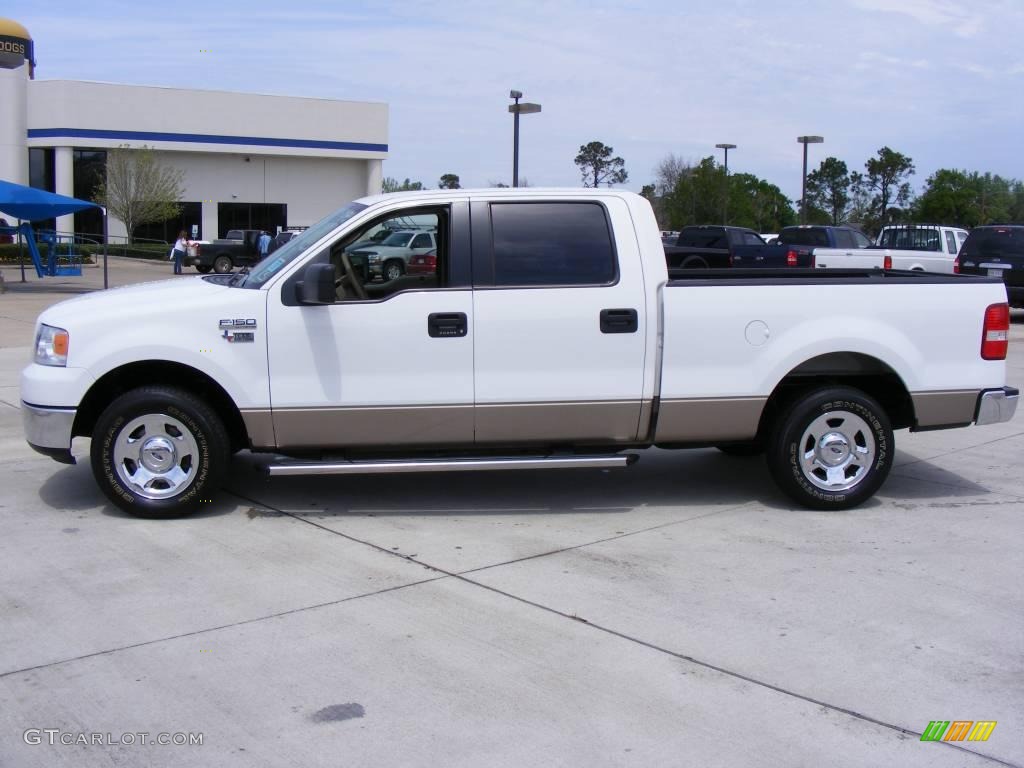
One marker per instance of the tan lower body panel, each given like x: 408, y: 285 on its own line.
x: 431, y: 425
x: 260, y: 426
x: 709, y: 419
x: 936, y: 409
x: 598, y: 421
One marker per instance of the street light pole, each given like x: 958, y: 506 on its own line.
x: 805, y: 140
x: 516, y: 110
x: 725, y: 201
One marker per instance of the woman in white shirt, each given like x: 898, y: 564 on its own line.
x: 179, y: 250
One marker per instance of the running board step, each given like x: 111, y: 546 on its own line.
x: 294, y: 467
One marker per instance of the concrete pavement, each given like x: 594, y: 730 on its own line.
x: 681, y: 612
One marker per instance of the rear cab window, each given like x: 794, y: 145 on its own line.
x: 815, y: 236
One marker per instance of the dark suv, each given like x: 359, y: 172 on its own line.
x: 996, y: 250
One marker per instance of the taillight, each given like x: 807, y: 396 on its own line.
x: 956, y: 266
x: 887, y: 262
x: 431, y: 261
x: 790, y: 258
x: 995, y: 335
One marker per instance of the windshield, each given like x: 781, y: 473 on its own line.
x: 288, y: 252
x: 399, y: 239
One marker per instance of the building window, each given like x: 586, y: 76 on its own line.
x: 265, y: 216
x: 41, y: 175
x: 167, y: 231
x: 90, y: 167
x: 41, y: 169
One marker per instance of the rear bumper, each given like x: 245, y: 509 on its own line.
x: 48, y: 430
x: 996, y: 406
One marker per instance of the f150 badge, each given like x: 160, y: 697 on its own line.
x: 238, y: 331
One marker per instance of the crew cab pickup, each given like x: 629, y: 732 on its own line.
x: 548, y: 336
x: 709, y: 245
x: 389, y: 259
x: 240, y: 248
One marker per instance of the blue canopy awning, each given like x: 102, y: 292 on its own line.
x: 31, y: 204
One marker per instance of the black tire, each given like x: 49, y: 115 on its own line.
x: 694, y: 262
x: 204, y: 268
x: 741, y: 449
x: 393, y: 269
x: 222, y: 265
x: 859, y: 427
x: 203, y: 461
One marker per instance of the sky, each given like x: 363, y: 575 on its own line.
x: 939, y: 80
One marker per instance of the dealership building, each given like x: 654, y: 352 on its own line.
x: 248, y: 160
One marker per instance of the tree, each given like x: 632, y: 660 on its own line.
x: 828, y: 190
x: 669, y: 171
x: 969, y: 198
x: 138, y: 188
x: 449, y: 181
x: 597, y: 166
x: 887, y: 176
x: 393, y: 185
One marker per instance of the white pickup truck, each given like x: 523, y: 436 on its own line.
x: 915, y: 247
x: 550, y: 335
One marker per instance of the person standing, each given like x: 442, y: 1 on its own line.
x: 179, y: 250
x: 264, y: 244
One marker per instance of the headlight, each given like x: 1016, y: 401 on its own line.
x: 372, y: 257
x: 52, y: 346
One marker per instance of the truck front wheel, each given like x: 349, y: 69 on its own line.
x: 831, y: 449
x: 159, y: 452
x: 222, y: 265
x: 204, y: 268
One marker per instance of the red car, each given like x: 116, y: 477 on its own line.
x: 422, y: 264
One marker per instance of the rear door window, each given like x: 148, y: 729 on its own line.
x: 703, y: 238
x: 844, y: 239
x: 552, y: 244
x: 951, y: 243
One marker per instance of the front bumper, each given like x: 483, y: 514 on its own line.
x: 48, y: 430
x: 996, y: 406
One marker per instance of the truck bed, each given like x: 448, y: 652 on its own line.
x: 801, y: 276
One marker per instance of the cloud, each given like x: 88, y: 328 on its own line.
x: 963, y: 20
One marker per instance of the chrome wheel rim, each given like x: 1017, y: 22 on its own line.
x: 156, y: 456
x: 837, y: 450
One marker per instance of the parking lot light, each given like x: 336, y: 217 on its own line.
x: 725, y: 202
x: 805, y: 140
x: 518, y: 109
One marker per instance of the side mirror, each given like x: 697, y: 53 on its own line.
x: 317, y: 285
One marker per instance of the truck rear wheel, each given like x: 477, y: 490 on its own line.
x: 159, y: 452
x: 204, y: 268
x: 831, y: 449
x: 222, y: 265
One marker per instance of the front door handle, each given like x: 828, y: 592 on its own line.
x: 619, y: 321
x: 447, y: 324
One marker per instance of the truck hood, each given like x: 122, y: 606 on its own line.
x: 163, y: 301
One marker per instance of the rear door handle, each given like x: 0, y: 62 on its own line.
x: 447, y: 324
x: 619, y: 321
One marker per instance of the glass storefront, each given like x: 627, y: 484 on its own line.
x: 265, y: 216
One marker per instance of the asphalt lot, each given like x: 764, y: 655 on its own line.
x: 681, y: 612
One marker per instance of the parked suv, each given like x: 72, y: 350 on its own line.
x: 996, y: 250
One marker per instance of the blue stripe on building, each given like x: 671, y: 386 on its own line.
x: 202, y: 138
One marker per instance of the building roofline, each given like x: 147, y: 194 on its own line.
x: 211, y: 90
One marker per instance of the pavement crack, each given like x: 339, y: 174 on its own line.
x: 629, y: 638
x: 606, y: 539
x: 205, y: 630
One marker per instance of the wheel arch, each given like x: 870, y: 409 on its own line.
x: 853, y: 369
x: 162, y: 372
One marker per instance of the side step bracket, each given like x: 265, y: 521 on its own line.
x: 283, y: 467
